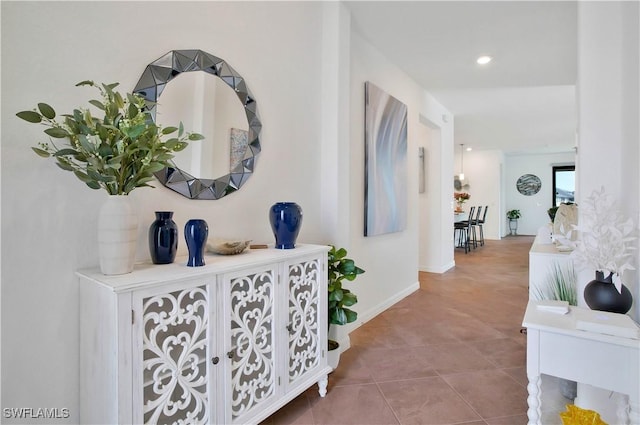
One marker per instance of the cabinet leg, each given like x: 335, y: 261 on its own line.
x: 322, y: 385
x: 534, y: 400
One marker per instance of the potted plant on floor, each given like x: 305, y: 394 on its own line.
x: 340, y: 268
x: 513, y: 216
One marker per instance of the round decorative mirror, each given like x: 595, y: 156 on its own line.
x: 207, y: 103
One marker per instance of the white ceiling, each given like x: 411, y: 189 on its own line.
x: 523, y: 101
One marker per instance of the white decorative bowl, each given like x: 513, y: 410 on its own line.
x: 227, y: 247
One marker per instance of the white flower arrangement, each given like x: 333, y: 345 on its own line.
x: 606, y: 238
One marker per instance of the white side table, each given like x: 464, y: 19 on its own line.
x: 556, y: 347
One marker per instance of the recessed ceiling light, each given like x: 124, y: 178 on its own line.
x: 469, y: 149
x: 483, y: 60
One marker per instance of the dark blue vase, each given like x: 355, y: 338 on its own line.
x: 286, y: 219
x: 163, y: 238
x: 196, y: 232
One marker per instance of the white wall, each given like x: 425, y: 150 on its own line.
x: 608, y: 132
x: 533, y: 208
x: 49, y: 217
x: 608, y: 143
x: 482, y: 172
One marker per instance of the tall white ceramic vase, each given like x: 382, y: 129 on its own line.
x: 117, y: 235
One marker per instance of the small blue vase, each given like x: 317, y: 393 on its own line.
x: 286, y: 219
x: 163, y: 238
x: 196, y: 232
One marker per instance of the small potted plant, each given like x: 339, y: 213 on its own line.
x: 513, y: 216
x: 340, y: 268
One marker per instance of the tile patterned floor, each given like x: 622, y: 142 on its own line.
x: 450, y: 353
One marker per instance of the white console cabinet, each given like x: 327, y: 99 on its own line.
x: 229, y: 343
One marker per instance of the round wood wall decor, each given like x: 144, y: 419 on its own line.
x: 528, y: 184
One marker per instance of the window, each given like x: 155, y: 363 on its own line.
x: 564, y: 184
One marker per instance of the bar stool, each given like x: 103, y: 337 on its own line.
x: 463, y: 231
x: 475, y: 222
x: 481, y: 223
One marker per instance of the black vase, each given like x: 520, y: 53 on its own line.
x: 196, y: 232
x: 285, y: 219
x: 601, y: 294
x: 163, y: 238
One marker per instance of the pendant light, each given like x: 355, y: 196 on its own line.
x: 461, y: 176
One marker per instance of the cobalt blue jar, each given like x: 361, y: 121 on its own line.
x: 286, y: 219
x: 163, y: 238
x: 196, y: 232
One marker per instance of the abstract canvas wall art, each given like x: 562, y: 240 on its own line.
x: 385, y: 162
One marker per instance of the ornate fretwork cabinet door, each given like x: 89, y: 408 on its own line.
x: 250, y: 329
x: 171, y: 344
x: 227, y: 343
x: 307, y: 334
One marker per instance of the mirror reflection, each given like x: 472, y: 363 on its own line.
x: 205, y: 105
x: 207, y: 102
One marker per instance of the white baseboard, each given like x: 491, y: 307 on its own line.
x: 439, y: 269
x: 341, y: 333
x: 373, y: 312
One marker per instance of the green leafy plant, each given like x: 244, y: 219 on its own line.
x: 118, y: 152
x: 341, y: 268
x: 513, y: 214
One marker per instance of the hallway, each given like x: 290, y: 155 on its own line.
x: 450, y: 353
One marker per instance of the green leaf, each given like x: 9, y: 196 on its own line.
x: 336, y: 295
x: 56, y: 132
x: 351, y: 315
x: 196, y: 136
x: 171, y: 143
x: 105, y: 150
x: 84, y: 142
x: 180, y: 129
x: 143, y: 181
x: 85, y: 83
x: 349, y: 299
x: 155, y: 167
x: 47, y: 111
x: 97, y: 104
x: 132, y: 111
x: 119, y: 100
x: 82, y: 176
x: 164, y: 157
x: 67, y: 151
x: 180, y: 146
x: 64, y: 164
x: 93, y: 185
x: 169, y: 130
x: 339, y: 317
x: 30, y: 116
x: 135, y: 131
x: 41, y: 152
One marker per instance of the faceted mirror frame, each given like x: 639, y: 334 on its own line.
x: 150, y: 86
